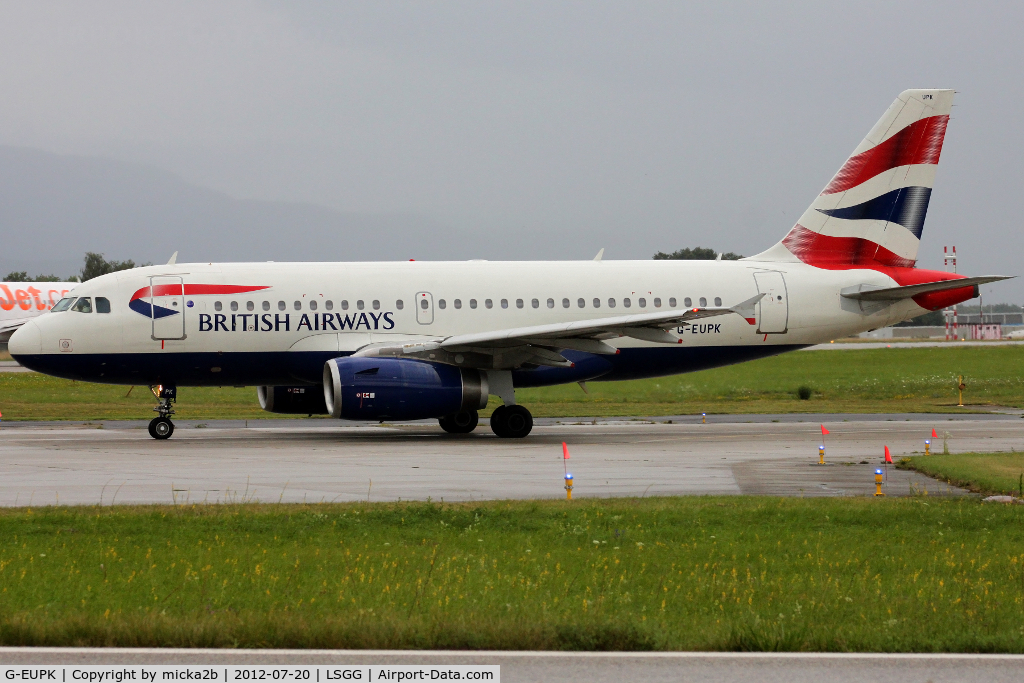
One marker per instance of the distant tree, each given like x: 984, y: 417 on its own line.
x: 96, y: 265
x: 696, y: 254
x: 22, y: 276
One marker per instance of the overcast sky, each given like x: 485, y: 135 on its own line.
x: 557, y: 128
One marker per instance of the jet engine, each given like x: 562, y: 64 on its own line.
x: 308, y: 400
x: 400, y: 389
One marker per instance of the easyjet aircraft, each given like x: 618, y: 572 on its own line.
x: 21, y: 301
x: 414, y: 340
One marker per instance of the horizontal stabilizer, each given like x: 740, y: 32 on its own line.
x: 875, y: 293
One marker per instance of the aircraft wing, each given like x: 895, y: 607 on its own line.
x: 646, y: 326
x: 540, y: 344
x: 872, y: 293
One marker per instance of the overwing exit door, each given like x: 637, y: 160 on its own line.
x: 424, y: 308
x: 773, y: 308
x: 167, y: 307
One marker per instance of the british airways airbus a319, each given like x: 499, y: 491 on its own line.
x: 415, y: 340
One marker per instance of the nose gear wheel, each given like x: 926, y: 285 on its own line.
x: 161, y: 427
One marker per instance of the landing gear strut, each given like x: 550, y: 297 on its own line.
x: 462, y: 422
x: 511, y: 422
x: 161, y: 427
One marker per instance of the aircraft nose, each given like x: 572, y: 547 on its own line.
x: 26, y: 340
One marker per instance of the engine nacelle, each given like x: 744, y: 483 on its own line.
x: 399, y: 389
x: 308, y: 400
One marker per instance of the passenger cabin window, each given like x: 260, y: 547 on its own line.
x: 551, y: 303
x: 703, y: 302
x: 102, y: 304
x: 234, y: 305
x: 718, y: 301
x: 672, y: 302
x: 218, y: 306
x: 250, y: 306
x: 458, y: 303
x: 63, y: 305
x: 581, y: 303
x: 344, y: 305
x: 504, y: 303
x: 641, y: 302
x: 266, y: 305
x: 376, y: 304
x: 280, y: 306
x: 519, y: 303
x: 472, y: 303
x: 329, y: 305
x: 298, y: 305
x: 360, y: 305
x: 657, y: 302
x: 565, y: 303
x: 535, y: 303
x: 688, y: 302
x: 424, y: 304
x: 626, y: 302
x: 611, y: 303
x: 597, y: 303
x: 312, y: 304
x: 83, y: 305
x: 441, y: 303
x: 399, y: 304
x: 488, y: 303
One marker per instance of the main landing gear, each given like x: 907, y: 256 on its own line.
x: 462, y: 422
x: 161, y: 427
x: 511, y: 422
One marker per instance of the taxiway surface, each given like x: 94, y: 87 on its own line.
x: 321, y: 460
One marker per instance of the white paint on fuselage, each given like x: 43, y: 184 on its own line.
x: 816, y: 314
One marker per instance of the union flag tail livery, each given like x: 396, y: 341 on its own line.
x: 871, y: 214
x: 416, y: 340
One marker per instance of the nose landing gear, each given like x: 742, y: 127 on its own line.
x: 161, y: 427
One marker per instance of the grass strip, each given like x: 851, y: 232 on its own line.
x: 862, y: 381
x: 990, y: 473
x: 712, y: 573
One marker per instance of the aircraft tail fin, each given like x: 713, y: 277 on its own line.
x: 872, y: 212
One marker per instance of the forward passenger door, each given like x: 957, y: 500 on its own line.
x: 167, y: 307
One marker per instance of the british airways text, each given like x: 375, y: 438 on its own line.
x: 276, y: 322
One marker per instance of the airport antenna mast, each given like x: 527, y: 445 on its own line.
x: 950, y: 260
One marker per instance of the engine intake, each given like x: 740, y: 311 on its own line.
x: 292, y: 400
x: 399, y: 389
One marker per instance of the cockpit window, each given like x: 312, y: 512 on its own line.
x: 102, y: 304
x: 63, y: 304
x: 83, y: 305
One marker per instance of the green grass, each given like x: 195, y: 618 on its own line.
x: 868, y: 380
x: 721, y: 573
x: 998, y: 473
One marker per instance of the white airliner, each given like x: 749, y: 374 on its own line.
x: 415, y: 340
x: 22, y: 301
